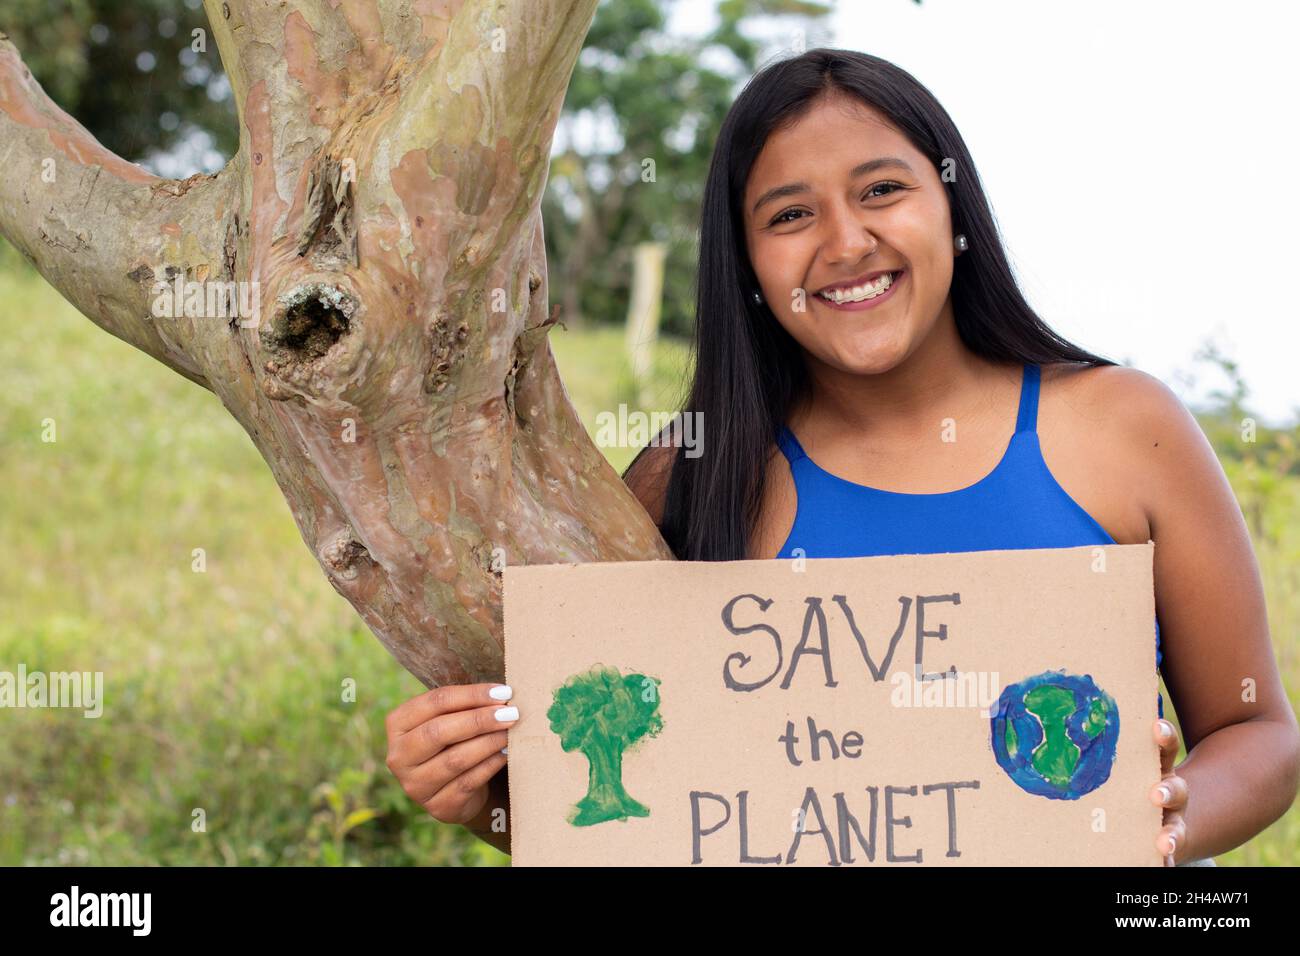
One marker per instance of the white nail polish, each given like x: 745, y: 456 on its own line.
x: 505, y: 750
x: 501, y: 692
x: 507, y: 713
x: 1164, y: 794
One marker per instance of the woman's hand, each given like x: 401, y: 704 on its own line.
x: 1170, y: 793
x: 446, y: 744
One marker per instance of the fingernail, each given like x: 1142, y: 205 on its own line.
x: 1164, y: 794
x: 505, y: 750
x: 501, y: 692
x: 1166, y: 728
x: 507, y: 713
x: 1173, y: 845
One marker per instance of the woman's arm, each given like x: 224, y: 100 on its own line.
x: 1243, y: 762
x: 1231, y: 797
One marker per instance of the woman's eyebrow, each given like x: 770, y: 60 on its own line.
x: 870, y: 166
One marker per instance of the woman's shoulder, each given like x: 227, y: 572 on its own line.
x: 1134, y: 421
x: 1120, y: 398
x: 1123, y: 444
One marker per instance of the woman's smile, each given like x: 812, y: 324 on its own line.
x: 860, y: 298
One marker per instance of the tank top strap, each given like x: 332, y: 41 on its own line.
x: 789, y: 445
x: 1027, y: 416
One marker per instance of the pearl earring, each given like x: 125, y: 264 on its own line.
x: 960, y: 242
x: 758, y: 297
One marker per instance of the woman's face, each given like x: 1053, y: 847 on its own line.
x: 816, y: 220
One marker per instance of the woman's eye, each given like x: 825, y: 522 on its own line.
x: 781, y: 217
x: 790, y: 215
x: 872, y: 194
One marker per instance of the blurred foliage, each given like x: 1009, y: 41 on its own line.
x: 1260, y: 461
x: 128, y: 71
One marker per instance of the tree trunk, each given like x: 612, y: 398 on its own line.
x: 384, y: 212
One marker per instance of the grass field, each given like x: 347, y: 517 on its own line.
x: 226, y: 739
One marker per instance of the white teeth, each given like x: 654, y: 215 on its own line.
x: 860, y: 293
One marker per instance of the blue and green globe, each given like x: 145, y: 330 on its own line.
x: 1055, y: 734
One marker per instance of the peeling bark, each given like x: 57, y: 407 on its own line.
x: 396, y: 374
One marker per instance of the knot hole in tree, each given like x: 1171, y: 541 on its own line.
x: 309, y: 321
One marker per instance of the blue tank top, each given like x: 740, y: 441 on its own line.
x: 1019, y: 504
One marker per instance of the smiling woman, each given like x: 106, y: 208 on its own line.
x: 852, y: 284
x: 853, y: 291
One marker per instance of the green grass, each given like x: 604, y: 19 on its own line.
x: 224, y: 688
x: 597, y: 377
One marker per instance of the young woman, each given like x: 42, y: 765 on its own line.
x: 855, y: 314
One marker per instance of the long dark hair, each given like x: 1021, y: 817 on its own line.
x: 745, y: 379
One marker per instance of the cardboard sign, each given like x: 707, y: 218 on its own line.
x: 979, y: 708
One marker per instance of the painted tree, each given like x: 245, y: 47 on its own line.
x: 600, y: 714
x: 383, y: 209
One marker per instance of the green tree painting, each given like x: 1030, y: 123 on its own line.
x: 601, y: 713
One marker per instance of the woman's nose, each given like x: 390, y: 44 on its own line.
x: 848, y: 238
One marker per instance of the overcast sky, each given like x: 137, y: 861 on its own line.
x: 1138, y: 157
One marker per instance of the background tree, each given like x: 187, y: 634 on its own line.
x: 131, y: 74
